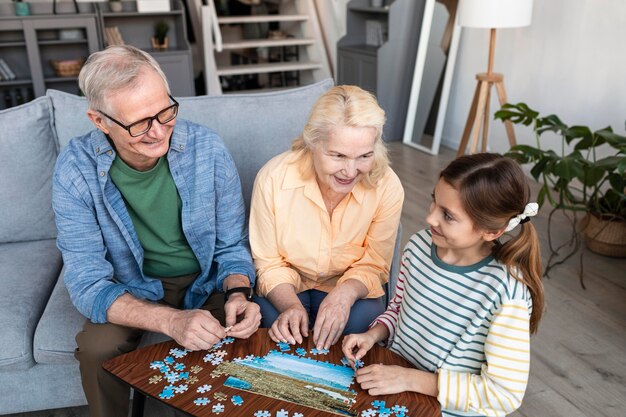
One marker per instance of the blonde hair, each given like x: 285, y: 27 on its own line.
x: 493, y: 189
x: 343, y: 106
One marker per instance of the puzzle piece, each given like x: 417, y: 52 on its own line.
x: 228, y: 340
x: 167, y: 393
x: 217, y: 361
x: 208, y: 357
x: 179, y: 366
x: 156, y: 364
x: 178, y: 353
x: 378, y: 404
x: 301, y: 351
x: 297, y: 415
x: 218, y: 408
x: 169, y: 360
x: 283, y: 346
x: 345, y: 362
x: 172, y: 377
x: 218, y: 345
x: 220, y: 396
x: 204, y: 388
x: 282, y: 413
x: 215, y: 373
x: 249, y: 357
x: 370, y: 412
x: 384, y: 410
x: 195, y: 369
x: 381, y: 414
x: 201, y: 401
x: 155, y: 379
x: 399, y: 409
x: 183, y: 375
x: 192, y: 379
x: 220, y: 353
x: 236, y: 399
x: 179, y: 389
x: 359, y: 364
x: 262, y: 413
x: 316, y: 351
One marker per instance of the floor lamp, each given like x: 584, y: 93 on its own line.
x: 489, y: 14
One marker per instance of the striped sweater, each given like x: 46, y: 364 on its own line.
x: 469, y: 324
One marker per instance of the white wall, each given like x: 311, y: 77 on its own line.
x: 570, y: 62
x: 332, y: 15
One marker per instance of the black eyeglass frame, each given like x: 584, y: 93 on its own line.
x: 149, y: 119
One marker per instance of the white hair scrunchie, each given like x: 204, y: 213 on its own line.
x: 530, y: 210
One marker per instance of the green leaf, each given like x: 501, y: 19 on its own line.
x: 530, y: 151
x: 609, y: 163
x: 541, y: 196
x: 618, y: 182
x: 621, y: 166
x: 568, y: 168
x: 516, y: 113
x: 613, y: 139
x: 592, y: 175
x: 539, y: 168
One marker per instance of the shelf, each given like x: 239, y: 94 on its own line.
x: 267, y: 43
x: 62, y: 42
x: 9, y: 83
x: 370, y: 9
x: 263, y: 18
x: 138, y: 14
x: 267, y: 67
x: 59, y: 79
x: 12, y: 44
x: 361, y: 48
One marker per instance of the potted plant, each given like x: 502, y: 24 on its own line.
x: 159, y: 40
x: 587, y: 175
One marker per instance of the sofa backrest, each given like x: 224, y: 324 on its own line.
x: 254, y: 127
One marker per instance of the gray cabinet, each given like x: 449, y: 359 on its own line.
x: 378, y: 54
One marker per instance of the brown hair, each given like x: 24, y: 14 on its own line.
x: 344, y: 105
x: 493, y: 189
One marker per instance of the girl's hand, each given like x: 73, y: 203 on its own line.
x: 291, y: 325
x: 385, y: 379
x: 361, y: 342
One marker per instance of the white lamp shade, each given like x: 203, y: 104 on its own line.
x: 495, y: 13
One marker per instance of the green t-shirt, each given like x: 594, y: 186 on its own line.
x: 154, y: 207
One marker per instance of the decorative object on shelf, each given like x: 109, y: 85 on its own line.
x: 54, y: 7
x: 490, y: 14
x: 377, y: 3
x: 160, y: 40
x: 6, y: 73
x: 71, y: 34
x: 147, y: 6
x: 68, y: 67
x: 22, y: 8
x: 116, y: 6
x: 112, y: 36
x: 577, y: 180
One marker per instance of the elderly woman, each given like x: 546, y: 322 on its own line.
x: 323, y: 223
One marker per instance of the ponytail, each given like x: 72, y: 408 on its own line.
x: 522, y: 257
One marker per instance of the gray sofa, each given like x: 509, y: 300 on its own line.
x: 37, y: 320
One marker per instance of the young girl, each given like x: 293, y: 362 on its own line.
x: 465, y: 303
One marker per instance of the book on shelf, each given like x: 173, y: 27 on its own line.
x: 6, y: 71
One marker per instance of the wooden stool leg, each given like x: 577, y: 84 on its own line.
x: 486, y: 120
x: 480, y: 111
x: 470, y: 120
x: 510, y: 133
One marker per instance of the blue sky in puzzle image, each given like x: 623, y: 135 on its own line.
x: 304, y: 369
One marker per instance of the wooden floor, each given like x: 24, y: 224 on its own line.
x: 578, y: 365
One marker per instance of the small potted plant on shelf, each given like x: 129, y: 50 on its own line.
x: 116, y: 5
x: 159, y: 40
x: 587, y: 176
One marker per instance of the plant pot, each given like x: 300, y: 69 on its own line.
x: 605, y: 236
x: 116, y: 6
x: 159, y: 46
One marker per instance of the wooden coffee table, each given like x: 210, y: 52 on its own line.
x: 134, y: 369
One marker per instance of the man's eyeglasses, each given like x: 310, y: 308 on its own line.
x: 142, y: 126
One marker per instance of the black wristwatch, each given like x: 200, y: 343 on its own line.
x: 248, y: 291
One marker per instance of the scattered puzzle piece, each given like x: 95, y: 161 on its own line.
x: 218, y: 408
x: 195, y: 369
x: 155, y: 379
x: 183, y: 375
x: 316, y: 351
x: 156, y: 364
x: 220, y: 353
x: 345, y: 362
x: 215, y: 373
x: 169, y: 360
x: 201, y: 401
x: 298, y: 415
x: 399, y: 409
x: 236, y: 399
x: 384, y: 410
x: 217, y: 361
x: 167, y: 393
x: 282, y: 413
x: 192, y: 379
x: 178, y: 353
x: 262, y: 413
x: 179, y: 366
x: 228, y: 340
x: 220, y: 396
x: 370, y: 412
x: 301, y: 351
x: 208, y: 357
x: 204, y: 388
x: 359, y: 364
x: 283, y: 346
x: 179, y: 389
x: 378, y: 403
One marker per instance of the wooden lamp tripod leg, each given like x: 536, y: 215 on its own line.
x: 510, y: 133
x: 469, y: 123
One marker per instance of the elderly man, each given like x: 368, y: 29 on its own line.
x: 151, y: 224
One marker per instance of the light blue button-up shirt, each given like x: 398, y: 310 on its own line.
x: 102, y: 254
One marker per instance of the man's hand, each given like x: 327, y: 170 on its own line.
x: 237, y: 307
x: 194, y: 329
x: 291, y: 325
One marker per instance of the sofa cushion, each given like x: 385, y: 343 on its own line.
x: 28, y: 272
x: 255, y: 127
x: 55, y: 335
x: 27, y: 140
x: 70, y: 116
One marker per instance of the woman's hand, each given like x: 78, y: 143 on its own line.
x: 361, y: 342
x: 332, y: 318
x: 291, y: 325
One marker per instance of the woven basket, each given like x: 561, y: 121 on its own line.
x: 606, y: 237
x: 67, y: 68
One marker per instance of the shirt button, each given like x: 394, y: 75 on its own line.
x: 181, y: 147
x: 109, y: 152
x: 97, y: 149
x: 102, y: 173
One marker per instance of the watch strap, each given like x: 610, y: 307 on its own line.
x: 245, y: 290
